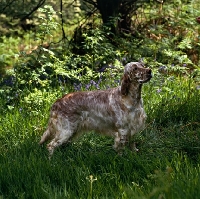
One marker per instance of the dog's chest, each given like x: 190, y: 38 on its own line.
x: 136, y: 118
x: 136, y: 115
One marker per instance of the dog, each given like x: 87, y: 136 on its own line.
x: 116, y: 112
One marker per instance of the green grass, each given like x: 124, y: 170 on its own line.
x: 166, y: 166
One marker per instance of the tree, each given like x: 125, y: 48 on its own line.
x: 117, y: 14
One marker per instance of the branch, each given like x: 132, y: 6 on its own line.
x: 7, y: 5
x: 91, y: 2
x: 34, y: 9
x: 62, y: 20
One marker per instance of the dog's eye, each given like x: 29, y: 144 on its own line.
x: 135, y: 68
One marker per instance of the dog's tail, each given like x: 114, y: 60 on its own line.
x: 46, y: 136
x: 51, y: 129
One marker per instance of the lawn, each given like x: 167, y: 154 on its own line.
x: 166, y: 166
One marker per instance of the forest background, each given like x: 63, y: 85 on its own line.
x: 49, y: 48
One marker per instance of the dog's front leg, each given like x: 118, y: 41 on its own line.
x: 120, y: 140
x: 116, y: 142
x: 133, y: 147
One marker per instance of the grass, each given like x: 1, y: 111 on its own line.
x: 167, y: 165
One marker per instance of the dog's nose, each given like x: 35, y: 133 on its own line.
x: 148, y: 70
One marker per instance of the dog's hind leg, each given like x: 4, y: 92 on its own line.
x: 61, y: 137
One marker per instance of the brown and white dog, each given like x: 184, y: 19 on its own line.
x: 116, y: 112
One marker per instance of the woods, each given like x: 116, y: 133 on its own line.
x: 50, y: 48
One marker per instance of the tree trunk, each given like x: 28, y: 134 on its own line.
x: 109, y: 10
x: 117, y: 14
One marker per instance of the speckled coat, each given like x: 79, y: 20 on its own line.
x: 116, y: 112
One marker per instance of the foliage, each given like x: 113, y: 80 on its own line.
x: 11, y: 8
x: 26, y: 18
x: 44, y: 67
x: 8, y: 55
x: 47, y: 23
x: 171, y: 33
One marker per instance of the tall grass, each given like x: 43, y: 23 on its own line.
x: 166, y: 166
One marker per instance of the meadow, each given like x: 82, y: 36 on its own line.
x: 166, y: 166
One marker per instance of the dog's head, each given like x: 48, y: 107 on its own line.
x: 134, y: 73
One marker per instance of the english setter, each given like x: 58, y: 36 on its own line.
x: 116, y: 112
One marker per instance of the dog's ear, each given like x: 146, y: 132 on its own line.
x: 125, y: 85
